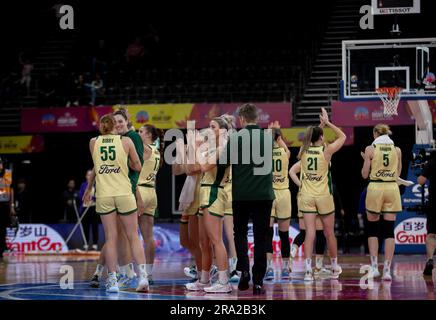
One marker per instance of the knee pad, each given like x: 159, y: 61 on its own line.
x: 269, y: 239
x: 320, y: 242
x: 373, y: 229
x: 299, y: 239
x: 285, y: 246
x: 388, y: 229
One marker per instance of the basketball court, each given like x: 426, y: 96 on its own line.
x: 380, y: 80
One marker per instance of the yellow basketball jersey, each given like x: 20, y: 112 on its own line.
x: 315, y: 172
x: 216, y: 177
x: 150, y: 168
x: 111, y: 167
x: 228, y: 182
x: 280, y: 169
x: 384, y: 164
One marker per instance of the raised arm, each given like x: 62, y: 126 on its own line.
x: 295, y: 169
x: 367, y: 156
x: 341, y: 137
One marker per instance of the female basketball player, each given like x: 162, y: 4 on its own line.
x: 383, y: 167
x: 281, y: 208
x: 315, y: 189
x: 147, y: 188
x: 112, y: 155
x: 228, y: 214
x: 212, y: 203
x: 126, y: 269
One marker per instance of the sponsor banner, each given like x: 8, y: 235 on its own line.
x: 74, y: 119
x: 411, y: 231
x: 368, y: 113
x: 293, y: 232
x: 35, y: 238
x: 410, y: 228
x: 21, y: 144
x: 41, y: 238
x: 294, y: 136
x: 163, y: 116
x: 167, y: 116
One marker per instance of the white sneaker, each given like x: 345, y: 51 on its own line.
x: 196, y: 286
x: 191, y: 272
x: 387, y: 275
x: 308, y: 276
x: 375, y: 272
x: 142, y: 285
x: 112, y: 285
x: 125, y: 282
x: 336, y: 272
x: 234, y: 276
x: 94, y: 247
x: 219, y: 288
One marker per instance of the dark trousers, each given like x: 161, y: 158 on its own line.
x: 5, y: 220
x: 260, y: 212
x: 90, y: 225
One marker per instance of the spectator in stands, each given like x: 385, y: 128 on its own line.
x: 23, y: 203
x: 26, y: 72
x: 91, y: 219
x: 47, y: 91
x: 97, y: 89
x: 71, y: 202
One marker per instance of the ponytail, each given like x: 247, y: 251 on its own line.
x: 382, y: 129
x: 312, y: 135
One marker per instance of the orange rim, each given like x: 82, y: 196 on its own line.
x: 389, y: 91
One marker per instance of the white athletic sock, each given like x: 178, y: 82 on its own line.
x: 123, y: 270
x: 223, y: 277
x: 205, y: 276
x: 374, y: 261
x: 99, y: 270
x: 131, y: 270
x: 308, y: 264
x: 285, y: 263
x: 334, y: 262
x: 270, y: 264
x: 319, y: 261
x: 142, y: 270
x: 149, y: 268
x: 387, y: 265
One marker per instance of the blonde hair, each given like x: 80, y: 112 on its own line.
x: 382, y: 129
x: 229, y: 119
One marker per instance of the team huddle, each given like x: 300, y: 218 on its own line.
x: 125, y: 168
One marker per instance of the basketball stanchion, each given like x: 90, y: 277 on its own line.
x: 78, y: 224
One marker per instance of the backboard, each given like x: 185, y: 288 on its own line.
x: 371, y: 64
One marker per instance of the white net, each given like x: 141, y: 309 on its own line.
x: 391, y: 98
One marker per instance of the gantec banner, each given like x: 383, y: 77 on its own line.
x: 21, y: 144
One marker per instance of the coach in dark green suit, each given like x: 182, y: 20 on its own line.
x: 249, y: 152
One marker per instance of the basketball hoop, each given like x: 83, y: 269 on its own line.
x: 390, y: 97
